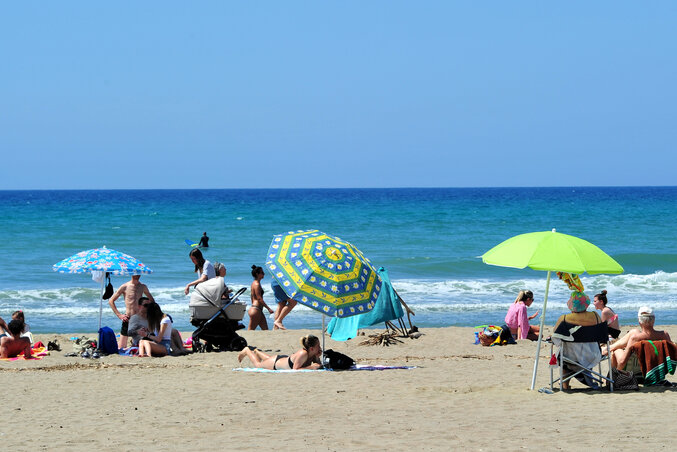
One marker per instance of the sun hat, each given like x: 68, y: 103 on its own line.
x: 578, y: 302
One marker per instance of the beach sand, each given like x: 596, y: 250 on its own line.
x: 460, y: 396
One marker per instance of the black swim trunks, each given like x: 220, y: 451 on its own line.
x: 123, y: 330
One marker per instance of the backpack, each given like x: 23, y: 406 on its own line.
x: 107, y: 342
x: 337, y: 361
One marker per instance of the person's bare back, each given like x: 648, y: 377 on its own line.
x: 11, y: 347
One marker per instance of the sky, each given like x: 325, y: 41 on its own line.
x: 308, y: 94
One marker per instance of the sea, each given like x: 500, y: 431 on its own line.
x: 429, y: 239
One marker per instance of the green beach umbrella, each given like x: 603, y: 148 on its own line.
x: 550, y: 251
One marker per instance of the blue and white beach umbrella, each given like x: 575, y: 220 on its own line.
x: 324, y: 273
x: 102, y: 260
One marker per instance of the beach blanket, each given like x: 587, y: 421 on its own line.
x: 356, y: 367
x: 657, y: 359
x: 39, y: 352
x: 129, y: 351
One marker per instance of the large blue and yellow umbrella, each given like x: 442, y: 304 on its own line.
x: 324, y: 273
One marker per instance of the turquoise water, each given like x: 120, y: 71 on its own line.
x: 430, y: 241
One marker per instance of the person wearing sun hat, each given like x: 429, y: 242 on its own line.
x: 621, y: 349
x: 578, y: 305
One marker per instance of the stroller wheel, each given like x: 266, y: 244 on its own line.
x: 238, y: 343
x: 209, y: 348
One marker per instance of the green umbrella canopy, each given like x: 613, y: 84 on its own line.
x: 551, y: 251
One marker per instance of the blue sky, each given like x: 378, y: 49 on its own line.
x: 337, y: 94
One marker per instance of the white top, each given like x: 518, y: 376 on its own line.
x: 208, y: 269
x: 168, y: 331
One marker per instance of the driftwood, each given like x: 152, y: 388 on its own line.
x: 384, y: 339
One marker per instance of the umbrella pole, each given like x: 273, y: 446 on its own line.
x: 103, y: 281
x: 323, y: 338
x: 540, y: 332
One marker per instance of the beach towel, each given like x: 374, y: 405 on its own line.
x: 355, y: 367
x: 386, y: 308
x: 39, y: 352
x: 657, y: 359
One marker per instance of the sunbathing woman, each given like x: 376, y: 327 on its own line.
x: 608, y: 315
x: 517, y: 319
x: 256, y: 317
x: 306, y: 358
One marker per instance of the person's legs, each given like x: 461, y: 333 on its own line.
x: 144, y: 348
x: 278, y: 311
x: 156, y: 349
x: 533, y: 332
x: 283, y: 313
x: 177, y: 342
x: 123, y: 342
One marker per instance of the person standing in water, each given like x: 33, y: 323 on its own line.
x: 204, y: 241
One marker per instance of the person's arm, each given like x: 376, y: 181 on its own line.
x: 532, y: 317
x: 28, y: 351
x: 202, y: 278
x: 161, y: 334
x: 146, y: 292
x: 111, y: 302
x: 3, y: 325
x: 623, y: 355
x: 301, y: 358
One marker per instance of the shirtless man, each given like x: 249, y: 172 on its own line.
x: 620, y: 350
x: 132, y: 291
x: 14, y: 345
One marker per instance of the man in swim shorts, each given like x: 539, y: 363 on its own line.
x: 13, y: 345
x: 132, y: 291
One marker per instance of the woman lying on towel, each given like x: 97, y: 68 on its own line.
x: 306, y: 358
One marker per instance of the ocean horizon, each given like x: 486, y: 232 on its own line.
x: 429, y: 240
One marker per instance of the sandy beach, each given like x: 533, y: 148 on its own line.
x: 459, y: 396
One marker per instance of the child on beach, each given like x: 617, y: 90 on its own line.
x: 517, y: 319
x: 256, y: 317
x: 306, y: 358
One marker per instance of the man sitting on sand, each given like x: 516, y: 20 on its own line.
x: 132, y: 291
x: 620, y: 350
x: 13, y: 345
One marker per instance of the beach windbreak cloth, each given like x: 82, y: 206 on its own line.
x: 356, y: 367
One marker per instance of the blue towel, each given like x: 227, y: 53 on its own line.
x: 387, y: 308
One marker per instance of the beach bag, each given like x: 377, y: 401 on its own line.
x: 107, y: 342
x: 109, y: 288
x: 337, y: 361
x: 624, y: 380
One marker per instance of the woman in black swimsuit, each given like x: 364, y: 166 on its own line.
x: 256, y: 317
x: 306, y: 358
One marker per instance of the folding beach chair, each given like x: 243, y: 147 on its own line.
x: 578, y: 353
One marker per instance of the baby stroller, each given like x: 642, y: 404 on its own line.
x: 216, y: 319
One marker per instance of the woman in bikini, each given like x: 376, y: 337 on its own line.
x: 306, y: 358
x: 608, y: 315
x: 256, y: 317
